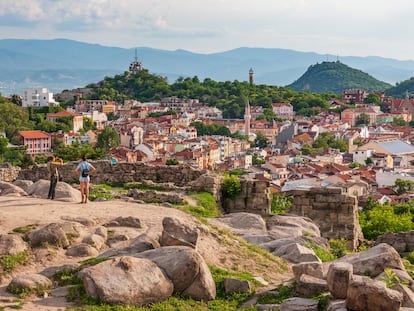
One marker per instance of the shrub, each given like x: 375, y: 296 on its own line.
x: 338, y: 247
x: 280, y: 203
x: 231, y: 186
x: 382, y: 219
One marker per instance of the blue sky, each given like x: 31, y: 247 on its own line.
x: 339, y: 27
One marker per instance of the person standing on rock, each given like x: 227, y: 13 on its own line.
x: 52, y: 168
x: 83, y: 170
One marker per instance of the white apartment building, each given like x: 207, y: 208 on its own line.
x: 38, y: 97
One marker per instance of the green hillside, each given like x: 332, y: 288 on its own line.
x: 335, y: 77
x: 401, y: 89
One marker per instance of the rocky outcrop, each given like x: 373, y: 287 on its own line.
x: 401, y: 241
x: 7, y: 188
x: 64, y: 191
x: 374, y: 261
x: 285, y: 236
x: 351, y: 288
x: 365, y: 294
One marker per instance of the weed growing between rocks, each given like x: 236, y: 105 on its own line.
x: 278, y: 295
x: 25, y: 229
x: 8, y: 262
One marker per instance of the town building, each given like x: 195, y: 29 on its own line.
x: 38, y: 97
x: 77, y: 119
x: 37, y: 142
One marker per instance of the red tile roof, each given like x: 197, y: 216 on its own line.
x: 62, y: 114
x: 34, y: 134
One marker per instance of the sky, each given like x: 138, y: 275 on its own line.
x: 338, y: 27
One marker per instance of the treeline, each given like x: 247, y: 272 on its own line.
x: 229, y: 97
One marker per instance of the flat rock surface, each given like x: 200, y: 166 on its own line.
x: 22, y: 211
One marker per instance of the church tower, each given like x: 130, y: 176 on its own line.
x: 251, y: 76
x: 247, y: 117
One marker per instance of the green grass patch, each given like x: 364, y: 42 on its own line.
x: 281, y: 293
x: 24, y: 229
x: 9, y: 262
x: 141, y: 186
x: 207, y: 206
x: 323, y: 254
x: 93, y: 195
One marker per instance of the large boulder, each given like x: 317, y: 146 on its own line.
x: 64, y: 191
x: 143, y: 242
x: 308, y: 286
x: 373, y: 261
x: 365, y: 294
x: 23, y: 183
x: 313, y: 268
x: 338, y: 278
x: 296, y: 253
x: 58, y: 234
x: 127, y: 281
x: 7, y: 188
x: 175, y: 232
x: 11, y: 244
x: 302, y: 224
x: 242, y: 223
x: 186, y: 268
x: 29, y: 283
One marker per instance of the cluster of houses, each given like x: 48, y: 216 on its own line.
x: 378, y: 151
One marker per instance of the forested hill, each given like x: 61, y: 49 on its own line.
x: 401, y: 89
x: 335, y: 77
x: 230, y: 97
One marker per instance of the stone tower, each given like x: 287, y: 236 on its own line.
x: 251, y: 76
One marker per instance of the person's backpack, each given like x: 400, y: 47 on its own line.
x: 85, y: 172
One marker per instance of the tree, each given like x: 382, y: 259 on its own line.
x: 402, y: 186
x: 372, y: 98
x: 14, y: 119
x: 399, y: 121
x: 107, y: 139
x: 363, y: 119
x: 261, y: 141
x: 382, y: 219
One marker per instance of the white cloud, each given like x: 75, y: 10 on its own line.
x: 352, y: 26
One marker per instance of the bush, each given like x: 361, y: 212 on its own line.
x: 338, y: 247
x: 280, y: 203
x: 382, y: 219
x: 231, y: 186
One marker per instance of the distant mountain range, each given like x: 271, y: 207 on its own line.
x: 65, y: 64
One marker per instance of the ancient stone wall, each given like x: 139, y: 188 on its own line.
x: 107, y: 173
x: 335, y: 213
x: 8, y: 172
x: 253, y: 198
